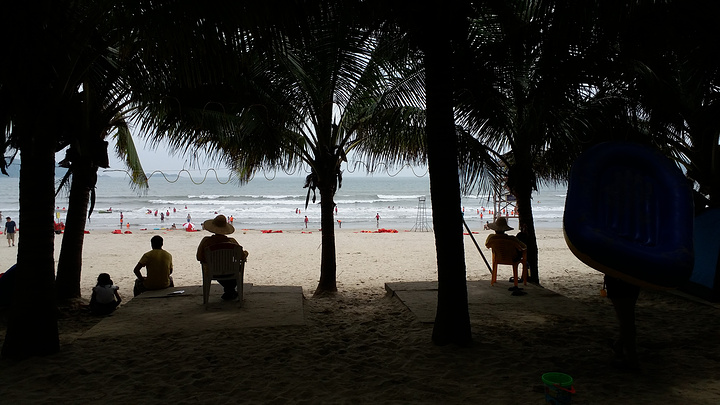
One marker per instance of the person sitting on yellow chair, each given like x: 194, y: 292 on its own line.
x: 500, y: 226
x: 509, y: 247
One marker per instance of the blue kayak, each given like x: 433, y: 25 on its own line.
x: 629, y: 214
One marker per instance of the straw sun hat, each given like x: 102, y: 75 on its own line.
x: 501, y: 225
x: 219, y: 225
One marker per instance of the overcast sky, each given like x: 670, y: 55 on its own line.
x: 162, y: 160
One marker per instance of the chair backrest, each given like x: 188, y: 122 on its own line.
x: 224, y: 258
x: 504, y: 251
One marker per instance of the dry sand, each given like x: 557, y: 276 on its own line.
x: 364, y: 345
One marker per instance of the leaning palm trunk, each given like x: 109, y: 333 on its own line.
x: 70, y: 261
x: 32, y: 325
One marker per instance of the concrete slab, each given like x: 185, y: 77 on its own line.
x: 484, y: 300
x: 180, y: 310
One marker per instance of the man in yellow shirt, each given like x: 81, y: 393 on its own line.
x: 159, y: 268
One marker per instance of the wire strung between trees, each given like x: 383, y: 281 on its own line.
x: 265, y: 173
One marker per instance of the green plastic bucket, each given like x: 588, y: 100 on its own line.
x: 558, y: 388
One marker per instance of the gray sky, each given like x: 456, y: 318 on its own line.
x: 162, y: 160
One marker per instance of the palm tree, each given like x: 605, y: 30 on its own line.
x: 452, y: 322
x: 677, y: 87
x: 297, y: 101
x: 541, y: 101
x: 40, y: 42
x: 102, y: 110
x: 56, y: 47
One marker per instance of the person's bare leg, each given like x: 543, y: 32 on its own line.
x: 626, y: 348
x: 624, y: 296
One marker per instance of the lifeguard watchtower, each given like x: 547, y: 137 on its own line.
x: 421, y: 224
x: 503, y: 202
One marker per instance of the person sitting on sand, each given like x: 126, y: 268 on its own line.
x: 105, y: 298
x: 220, y: 228
x: 159, y: 268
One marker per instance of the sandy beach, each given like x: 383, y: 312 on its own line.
x: 365, y: 345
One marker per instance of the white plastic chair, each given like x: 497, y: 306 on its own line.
x: 223, y: 261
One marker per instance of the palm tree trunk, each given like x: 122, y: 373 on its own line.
x: 452, y: 321
x: 32, y: 325
x: 70, y: 261
x: 328, y: 263
x: 527, y: 222
x: 521, y: 186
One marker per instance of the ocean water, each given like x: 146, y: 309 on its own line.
x: 276, y: 204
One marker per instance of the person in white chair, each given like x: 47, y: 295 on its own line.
x: 220, y: 228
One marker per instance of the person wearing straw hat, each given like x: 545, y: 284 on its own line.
x: 220, y: 228
x: 500, y: 226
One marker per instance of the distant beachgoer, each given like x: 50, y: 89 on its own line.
x: 167, y: 213
x: 188, y: 217
x: 105, y: 298
x: 174, y: 210
x: 306, y: 221
x: 486, y: 226
x: 162, y: 216
x: 172, y: 227
x: 377, y: 219
x: 220, y: 229
x: 10, y: 228
x: 339, y: 223
x: 159, y: 268
x: 232, y: 219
